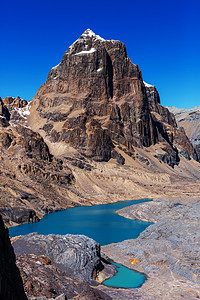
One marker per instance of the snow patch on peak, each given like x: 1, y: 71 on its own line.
x: 25, y: 111
x: 147, y: 84
x: 82, y: 39
x: 91, y: 34
x: 86, y: 51
x: 55, y: 66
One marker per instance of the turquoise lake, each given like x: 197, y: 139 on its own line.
x: 125, y: 278
x: 99, y: 222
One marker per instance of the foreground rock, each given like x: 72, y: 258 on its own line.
x: 66, y: 266
x: 42, y: 278
x: 168, y: 251
x: 11, y: 287
x: 74, y: 254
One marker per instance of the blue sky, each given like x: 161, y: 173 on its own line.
x: 162, y: 37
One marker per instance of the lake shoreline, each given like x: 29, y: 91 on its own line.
x: 161, y: 279
x: 163, y: 250
x: 21, y: 243
x: 8, y: 225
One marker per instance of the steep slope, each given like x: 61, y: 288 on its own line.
x: 189, y: 119
x: 32, y: 180
x: 95, y: 99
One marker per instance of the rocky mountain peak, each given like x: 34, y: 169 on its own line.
x: 85, y: 42
x: 89, y: 33
x: 104, y: 102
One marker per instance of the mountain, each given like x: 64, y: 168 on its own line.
x: 189, y: 119
x: 95, y: 100
x: 94, y: 133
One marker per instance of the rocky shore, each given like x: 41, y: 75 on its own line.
x: 167, y: 251
x: 66, y: 267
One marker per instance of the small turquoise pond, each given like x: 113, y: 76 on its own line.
x: 125, y: 278
x: 99, y: 222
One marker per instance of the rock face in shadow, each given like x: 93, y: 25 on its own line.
x: 99, y: 95
x: 11, y: 287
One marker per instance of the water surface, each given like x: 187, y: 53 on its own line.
x: 99, y: 222
x: 125, y: 278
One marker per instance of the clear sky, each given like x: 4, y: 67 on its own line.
x: 162, y: 37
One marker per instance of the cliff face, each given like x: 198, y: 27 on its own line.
x: 102, y: 97
x: 166, y: 126
x: 99, y: 95
x: 11, y: 287
x: 189, y: 119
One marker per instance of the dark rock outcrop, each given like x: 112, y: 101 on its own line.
x: 11, y: 287
x: 16, y: 109
x: 14, y: 102
x: 33, y: 144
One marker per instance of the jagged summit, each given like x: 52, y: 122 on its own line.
x: 86, y: 38
x: 88, y: 43
x: 90, y: 33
